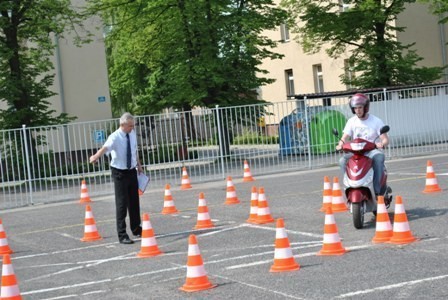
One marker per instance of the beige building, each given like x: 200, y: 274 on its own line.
x: 299, y: 73
x: 81, y: 79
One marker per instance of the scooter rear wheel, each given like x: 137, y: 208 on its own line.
x: 358, y: 212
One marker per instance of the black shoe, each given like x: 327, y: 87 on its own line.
x: 138, y: 233
x: 126, y: 240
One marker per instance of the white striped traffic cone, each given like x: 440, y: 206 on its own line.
x: 148, y: 244
x: 283, y: 258
x: 10, y: 289
x: 197, y: 279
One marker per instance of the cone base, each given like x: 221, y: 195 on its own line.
x: 252, y: 220
x: 323, y: 208
x: 402, y: 241
x: 332, y: 252
x: 167, y: 212
x: 204, y: 226
x: 381, y: 239
x: 432, y: 190
x: 7, y: 251
x: 197, y: 287
x: 231, y: 202
x: 142, y: 254
x: 248, y: 179
x: 91, y: 239
x: 270, y: 220
x: 85, y: 201
x: 18, y: 297
x: 185, y: 187
x: 276, y: 269
x: 339, y: 209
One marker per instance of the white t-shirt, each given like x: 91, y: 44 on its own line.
x: 368, y: 129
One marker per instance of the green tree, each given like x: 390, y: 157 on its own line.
x: 438, y: 7
x: 180, y: 54
x: 27, y: 32
x: 366, y: 31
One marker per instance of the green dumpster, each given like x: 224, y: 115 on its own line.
x: 321, y: 130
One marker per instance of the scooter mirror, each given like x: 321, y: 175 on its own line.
x: 335, y: 132
x: 384, y: 129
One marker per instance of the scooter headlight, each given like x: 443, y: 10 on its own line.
x: 357, y: 146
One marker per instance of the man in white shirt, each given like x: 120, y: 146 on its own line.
x: 122, y: 146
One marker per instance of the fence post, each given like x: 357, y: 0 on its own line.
x: 387, y: 116
x: 27, y: 157
x: 385, y: 105
x: 220, y: 141
x: 307, y: 126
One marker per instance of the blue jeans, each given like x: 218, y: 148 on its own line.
x: 378, y: 158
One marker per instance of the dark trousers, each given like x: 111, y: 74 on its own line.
x: 126, y: 199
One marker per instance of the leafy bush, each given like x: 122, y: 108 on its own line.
x: 169, y: 153
x: 253, y: 138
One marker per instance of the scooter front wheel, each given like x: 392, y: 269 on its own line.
x: 358, y: 211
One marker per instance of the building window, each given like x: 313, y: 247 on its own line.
x: 343, y: 6
x: 289, y: 77
x: 284, y: 31
x: 318, y: 79
x: 349, y: 74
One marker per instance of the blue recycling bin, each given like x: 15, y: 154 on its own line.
x: 292, y: 136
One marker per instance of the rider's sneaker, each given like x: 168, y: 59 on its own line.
x: 388, y: 196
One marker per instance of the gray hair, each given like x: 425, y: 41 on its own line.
x: 126, y: 117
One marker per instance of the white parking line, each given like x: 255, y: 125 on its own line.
x: 261, y: 262
x: 392, y: 286
x: 259, y: 287
x: 288, y: 231
x: 65, y: 287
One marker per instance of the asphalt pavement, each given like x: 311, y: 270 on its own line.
x: 50, y: 261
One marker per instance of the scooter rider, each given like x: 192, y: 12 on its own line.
x: 366, y: 126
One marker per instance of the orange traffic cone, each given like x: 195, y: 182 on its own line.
x: 197, y: 279
x: 263, y: 211
x: 168, y: 202
x: 203, y: 216
x: 10, y: 289
x: 431, y: 180
x: 337, y: 200
x: 231, y: 197
x: 253, y: 206
x: 4, y: 247
x: 401, y: 233
x: 383, y: 226
x: 90, y: 231
x: 247, y: 175
x: 283, y: 259
x: 327, y: 194
x: 332, y: 243
x: 84, y: 193
x: 149, y: 245
x: 185, y: 183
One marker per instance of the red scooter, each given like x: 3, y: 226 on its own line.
x: 358, y: 179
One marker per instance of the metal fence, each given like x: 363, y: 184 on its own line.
x: 47, y: 164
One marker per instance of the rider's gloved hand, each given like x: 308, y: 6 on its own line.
x: 379, y: 145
